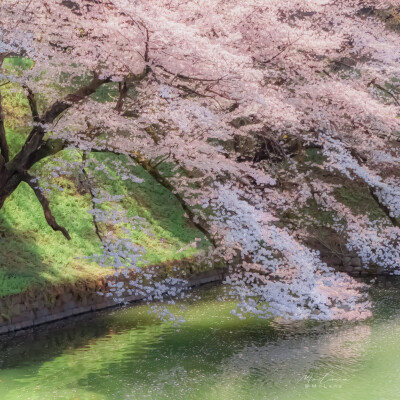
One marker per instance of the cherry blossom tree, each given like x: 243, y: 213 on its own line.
x: 232, y: 96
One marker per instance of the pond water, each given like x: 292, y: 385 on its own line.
x: 129, y: 354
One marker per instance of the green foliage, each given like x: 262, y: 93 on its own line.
x: 16, y: 65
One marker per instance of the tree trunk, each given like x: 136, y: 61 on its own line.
x: 8, y: 183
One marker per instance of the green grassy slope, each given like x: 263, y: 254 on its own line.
x: 32, y: 254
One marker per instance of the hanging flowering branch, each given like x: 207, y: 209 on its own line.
x: 260, y: 111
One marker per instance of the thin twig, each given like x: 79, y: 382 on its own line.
x: 92, y: 195
x: 46, y: 206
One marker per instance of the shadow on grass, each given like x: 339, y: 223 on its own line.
x: 32, y: 254
x: 20, y: 263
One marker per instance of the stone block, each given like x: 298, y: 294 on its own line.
x: 4, y: 329
x: 44, y: 312
x: 346, y: 261
x: 69, y: 305
x: 356, y: 262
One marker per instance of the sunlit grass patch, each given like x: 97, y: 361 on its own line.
x: 32, y: 254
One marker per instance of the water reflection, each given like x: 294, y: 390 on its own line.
x: 128, y: 354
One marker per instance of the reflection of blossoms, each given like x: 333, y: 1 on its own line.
x: 301, y: 357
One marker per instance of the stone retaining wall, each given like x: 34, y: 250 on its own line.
x: 353, y: 266
x: 40, y: 306
x: 54, y: 303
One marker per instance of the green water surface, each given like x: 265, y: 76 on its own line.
x: 130, y: 354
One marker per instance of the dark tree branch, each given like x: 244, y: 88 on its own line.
x: 3, y: 139
x: 92, y: 196
x: 163, y: 181
x: 374, y: 84
x: 146, y: 34
x: 46, y: 206
x: 48, y: 148
x: 4, y: 152
x: 155, y: 173
x: 32, y: 103
x: 384, y: 208
x: 27, y: 156
x: 186, y: 77
x: 386, y: 211
x: 146, y: 51
x: 284, y: 48
x: 123, y: 92
x: 60, y: 106
x: 128, y: 83
x: 163, y: 159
